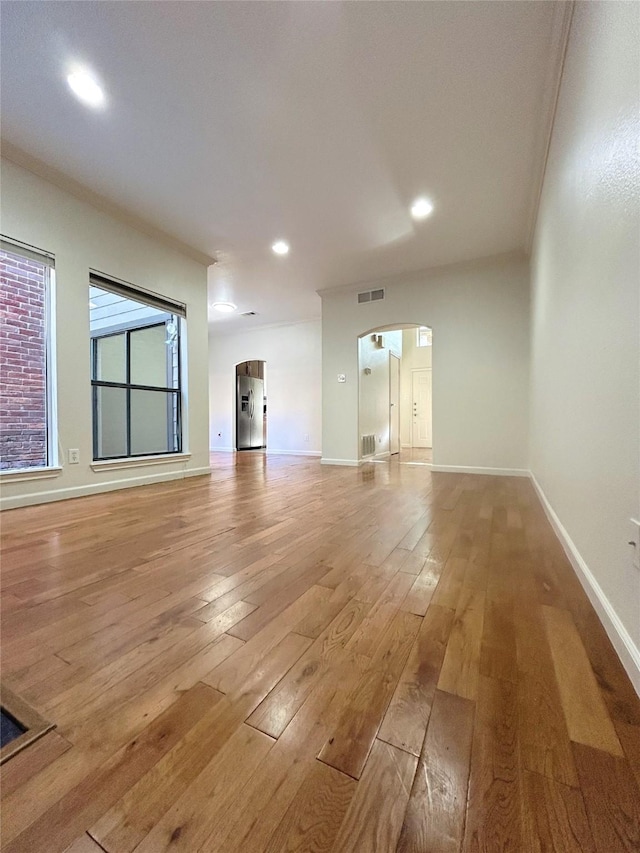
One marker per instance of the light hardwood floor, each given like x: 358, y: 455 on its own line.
x: 409, y: 455
x: 289, y: 657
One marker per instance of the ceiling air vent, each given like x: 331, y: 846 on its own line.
x: 371, y: 295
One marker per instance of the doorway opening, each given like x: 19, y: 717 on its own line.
x: 395, y: 394
x: 251, y: 405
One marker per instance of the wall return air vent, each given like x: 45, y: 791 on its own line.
x: 368, y: 444
x: 371, y: 295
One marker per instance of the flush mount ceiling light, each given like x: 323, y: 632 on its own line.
x: 280, y: 247
x: 85, y: 87
x: 421, y: 208
x: 224, y: 307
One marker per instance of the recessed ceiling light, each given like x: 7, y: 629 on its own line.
x: 281, y: 247
x: 421, y: 208
x: 85, y: 87
x: 224, y: 307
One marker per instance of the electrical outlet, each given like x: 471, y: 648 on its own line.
x: 634, y: 541
x: 74, y: 456
x: 306, y: 436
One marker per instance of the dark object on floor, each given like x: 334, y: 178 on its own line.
x: 21, y: 724
x: 10, y: 729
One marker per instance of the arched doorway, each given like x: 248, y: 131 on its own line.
x: 251, y: 405
x: 395, y: 394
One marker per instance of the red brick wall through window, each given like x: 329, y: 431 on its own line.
x: 23, y: 346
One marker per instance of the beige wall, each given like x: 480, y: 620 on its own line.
x: 293, y: 355
x: 81, y: 237
x: 480, y: 318
x: 585, y: 332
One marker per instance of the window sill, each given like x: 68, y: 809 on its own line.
x: 139, y: 461
x: 18, y: 476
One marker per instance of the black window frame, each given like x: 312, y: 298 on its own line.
x: 129, y: 386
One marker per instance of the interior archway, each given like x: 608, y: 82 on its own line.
x: 395, y: 369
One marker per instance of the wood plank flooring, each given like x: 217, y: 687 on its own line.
x: 289, y: 657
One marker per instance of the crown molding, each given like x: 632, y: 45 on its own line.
x: 563, y: 13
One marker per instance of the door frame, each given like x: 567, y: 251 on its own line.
x: 392, y: 355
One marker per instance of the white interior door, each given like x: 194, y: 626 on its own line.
x: 421, y: 406
x: 394, y: 404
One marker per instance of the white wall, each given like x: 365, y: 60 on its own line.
x: 413, y: 358
x: 82, y: 237
x: 293, y: 355
x: 479, y: 314
x: 585, y: 285
x: 374, y: 386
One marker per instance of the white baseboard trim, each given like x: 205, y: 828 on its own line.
x: 496, y: 472
x: 196, y: 472
x: 222, y: 450
x: 352, y: 463
x: 384, y: 454
x: 52, y: 495
x: 627, y: 650
x: 295, y: 452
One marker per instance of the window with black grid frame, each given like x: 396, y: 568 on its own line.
x: 136, y: 371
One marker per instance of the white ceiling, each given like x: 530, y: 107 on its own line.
x: 231, y: 124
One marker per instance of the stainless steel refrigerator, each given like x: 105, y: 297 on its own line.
x: 250, y: 413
